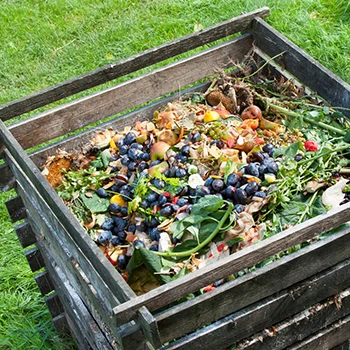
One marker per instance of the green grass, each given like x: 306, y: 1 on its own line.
x: 47, y: 42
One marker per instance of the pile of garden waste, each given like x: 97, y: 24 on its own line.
x: 208, y: 175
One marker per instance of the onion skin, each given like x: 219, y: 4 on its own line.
x: 251, y: 112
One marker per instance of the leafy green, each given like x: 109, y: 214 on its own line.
x: 154, y: 263
x: 95, y: 204
x: 186, y: 245
x: 233, y: 241
x: 102, y: 161
x: 207, y: 205
x: 290, y: 151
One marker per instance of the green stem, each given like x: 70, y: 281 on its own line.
x: 307, y: 208
x: 338, y: 149
x: 204, y: 243
x: 308, y: 119
x: 265, y: 64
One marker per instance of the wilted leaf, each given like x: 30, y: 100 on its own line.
x: 95, y: 204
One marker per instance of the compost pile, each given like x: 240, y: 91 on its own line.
x: 212, y: 173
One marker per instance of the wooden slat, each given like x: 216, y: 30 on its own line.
x: 327, y: 338
x: 54, y: 304
x: 265, y: 281
x: 128, y: 65
x: 85, y: 328
x: 273, y: 69
x: 7, y: 180
x: 149, y: 327
x: 34, y: 258
x: 77, y: 114
x: 79, y: 269
x: 344, y: 346
x: 61, y: 325
x: 16, y: 209
x: 93, y: 292
x: 267, y: 312
x: 250, y: 256
x: 302, y: 66
x: 25, y: 234
x: 65, y: 218
x: 300, y: 326
x: 44, y: 282
x: 77, y: 333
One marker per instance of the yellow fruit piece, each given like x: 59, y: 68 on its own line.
x: 211, y: 116
x: 118, y: 199
x: 112, y: 144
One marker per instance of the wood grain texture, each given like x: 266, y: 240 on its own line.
x: 92, y: 291
x: 61, y: 325
x: 328, y: 338
x: 130, y: 64
x: 77, y: 333
x: 263, y: 282
x: 54, y: 304
x: 149, y: 327
x: 25, y: 234
x: 7, y: 179
x: 16, y: 209
x: 84, y: 328
x: 344, y: 346
x: 34, y: 258
x: 63, y: 248
x: 82, y: 112
x: 300, y: 326
x: 250, y: 256
x: 65, y: 217
x: 44, y: 282
x: 302, y: 66
x: 267, y: 312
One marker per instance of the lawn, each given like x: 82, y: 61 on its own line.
x: 47, y: 42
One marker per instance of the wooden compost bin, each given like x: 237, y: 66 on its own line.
x: 301, y: 301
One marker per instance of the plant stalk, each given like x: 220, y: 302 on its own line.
x: 204, y: 243
x: 308, y: 119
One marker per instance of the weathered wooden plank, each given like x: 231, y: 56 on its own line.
x: 300, y: 326
x: 149, y: 327
x: 63, y: 249
x: 273, y: 69
x: 34, y: 258
x: 65, y: 217
x: 25, y: 234
x: 267, y: 312
x: 130, y: 64
x: 85, y: 327
x: 302, y: 66
x: 61, y: 325
x: 95, y: 295
x: 54, y: 304
x: 16, y: 209
x: 327, y: 338
x: 67, y: 255
x: 77, y: 333
x: 7, y: 180
x: 77, y: 114
x: 250, y: 256
x: 263, y: 282
x: 344, y: 346
x: 44, y: 282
